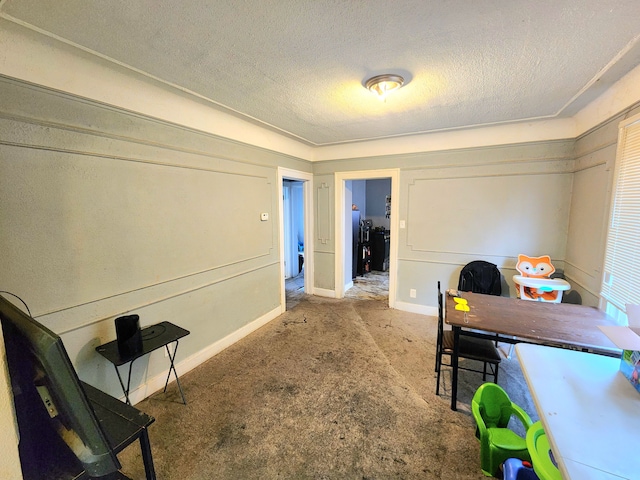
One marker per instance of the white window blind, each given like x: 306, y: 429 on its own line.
x: 621, y: 282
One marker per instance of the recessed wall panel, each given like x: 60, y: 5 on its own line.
x: 110, y: 226
x: 497, y: 215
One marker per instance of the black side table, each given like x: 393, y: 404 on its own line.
x: 153, y: 337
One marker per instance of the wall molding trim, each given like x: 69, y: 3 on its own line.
x: 472, y: 256
x: 147, y: 161
x: 322, y: 203
x: 619, y: 116
x: 580, y: 268
x: 597, y: 148
x: 586, y: 288
x: 81, y: 316
x: 131, y: 113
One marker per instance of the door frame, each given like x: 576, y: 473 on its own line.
x: 340, y: 219
x: 307, y: 190
x: 290, y: 263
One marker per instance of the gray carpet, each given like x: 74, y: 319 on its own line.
x: 332, y: 389
x: 373, y: 285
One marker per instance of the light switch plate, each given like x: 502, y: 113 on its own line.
x: 264, y: 216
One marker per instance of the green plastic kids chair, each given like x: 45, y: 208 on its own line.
x: 492, y: 409
x: 541, y: 456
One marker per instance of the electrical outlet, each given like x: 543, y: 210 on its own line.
x: 412, y: 293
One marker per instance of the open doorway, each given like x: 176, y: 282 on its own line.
x: 368, y: 260
x: 293, y: 239
x: 296, y: 265
x: 366, y: 234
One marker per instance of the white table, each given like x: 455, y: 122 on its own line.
x: 589, y: 410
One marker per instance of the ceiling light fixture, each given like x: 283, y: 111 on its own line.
x: 382, y: 85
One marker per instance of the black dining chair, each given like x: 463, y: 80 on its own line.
x: 480, y: 276
x: 471, y: 348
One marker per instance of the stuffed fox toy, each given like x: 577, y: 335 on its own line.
x: 536, y: 267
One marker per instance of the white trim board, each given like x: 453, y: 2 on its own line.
x: 415, y: 308
x: 324, y: 292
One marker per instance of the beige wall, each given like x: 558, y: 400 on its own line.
x: 489, y: 203
x: 106, y: 212
x: 595, y: 155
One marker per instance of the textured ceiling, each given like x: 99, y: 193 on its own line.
x: 298, y: 66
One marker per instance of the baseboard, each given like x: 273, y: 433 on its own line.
x: 415, y: 308
x: 323, y: 292
x: 156, y: 383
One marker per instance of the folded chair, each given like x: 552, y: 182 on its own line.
x: 541, y: 456
x: 492, y: 409
x: 471, y: 348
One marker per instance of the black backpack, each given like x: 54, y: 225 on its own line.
x: 480, y: 277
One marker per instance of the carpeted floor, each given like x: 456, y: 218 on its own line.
x: 331, y: 389
x: 373, y: 285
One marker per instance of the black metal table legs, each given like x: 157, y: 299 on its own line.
x: 172, y: 367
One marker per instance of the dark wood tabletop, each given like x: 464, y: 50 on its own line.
x: 153, y: 337
x: 541, y: 322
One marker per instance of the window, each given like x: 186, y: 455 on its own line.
x: 621, y: 282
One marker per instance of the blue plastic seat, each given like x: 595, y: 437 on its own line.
x: 516, y: 469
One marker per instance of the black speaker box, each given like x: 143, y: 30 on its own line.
x: 128, y: 334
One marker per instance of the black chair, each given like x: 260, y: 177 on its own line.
x: 480, y: 277
x: 471, y: 348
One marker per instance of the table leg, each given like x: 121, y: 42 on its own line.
x: 172, y: 367
x: 145, y: 446
x: 454, y: 367
x: 129, y: 383
x: 125, y: 390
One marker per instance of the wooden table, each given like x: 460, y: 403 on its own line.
x: 589, y: 411
x: 503, y: 318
